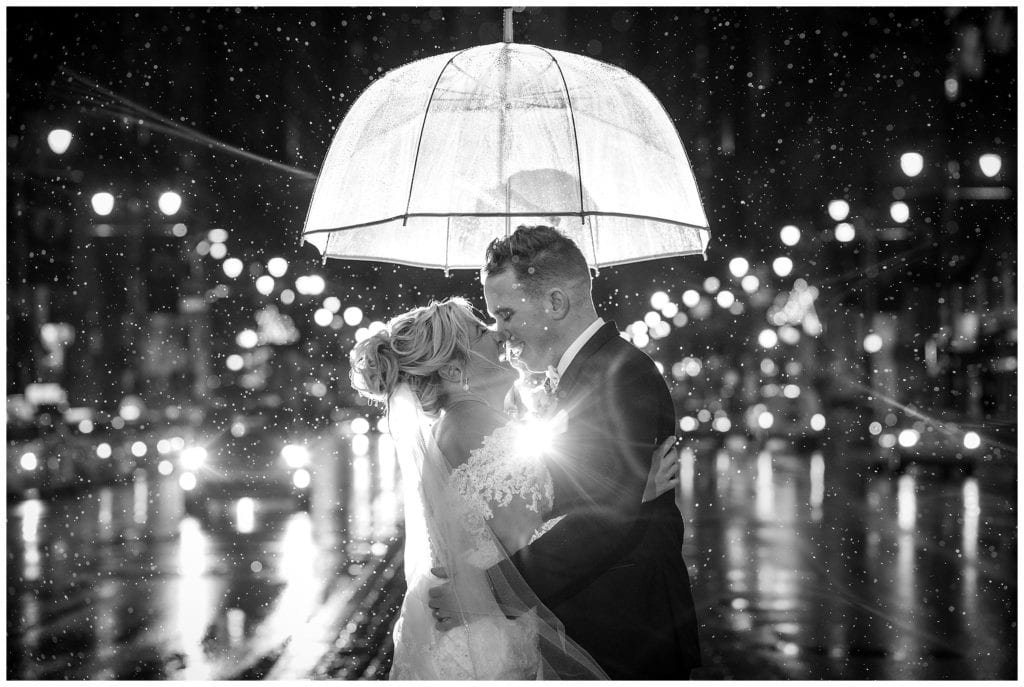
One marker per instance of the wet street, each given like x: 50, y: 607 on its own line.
x: 804, y: 566
x: 814, y: 567
x: 121, y: 583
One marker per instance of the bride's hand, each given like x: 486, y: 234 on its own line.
x: 443, y: 603
x: 664, y: 470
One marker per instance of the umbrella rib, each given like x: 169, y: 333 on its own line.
x: 575, y: 139
x: 419, y: 141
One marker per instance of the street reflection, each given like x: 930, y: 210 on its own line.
x: 810, y: 565
x: 119, y: 583
x: 817, y: 566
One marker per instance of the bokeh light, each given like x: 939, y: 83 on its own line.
x: 911, y: 164
x: 232, y: 267
x: 899, y: 211
x: 782, y: 266
x: 790, y: 235
x: 739, y: 267
x: 845, y: 232
x: 277, y: 267
x: 990, y: 164
x: 838, y: 209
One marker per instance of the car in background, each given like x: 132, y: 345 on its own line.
x: 242, y: 472
x: 946, y: 441
x: 787, y: 416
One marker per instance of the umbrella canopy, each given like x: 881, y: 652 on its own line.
x: 438, y: 157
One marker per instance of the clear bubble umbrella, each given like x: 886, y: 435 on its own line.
x: 438, y: 157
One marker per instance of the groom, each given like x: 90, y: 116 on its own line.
x: 612, y: 569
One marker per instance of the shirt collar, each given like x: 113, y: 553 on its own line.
x: 579, y: 343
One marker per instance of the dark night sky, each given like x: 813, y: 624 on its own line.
x: 780, y: 109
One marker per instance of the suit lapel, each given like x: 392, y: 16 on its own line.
x: 572, y: 374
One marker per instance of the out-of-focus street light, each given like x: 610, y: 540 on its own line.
x: 899, y: 211
x: 872, y: 343
x: 247, y: 338
x: 217, y: 235
x: 670, y: 310
x: 725, y: 299
x: 218, y: 251
x: 838, y: 209
x: 169, y: 203
x: 909, y: 438
x: 750, y: 283
x: 739, y: 267
x: 691, y: 298
x: 845, y: 232
x: 972, y: 440
x: 352, y: 315
x: 102, y: 203
x: 712, y: 284
x: 233, y: 267
x: 265, y: 284
x: 952, y: 87
x: 59, y: 141
x: 768, y: 338
x: 990, y: 164
x: 911, y: 164
x: 790, y: 235
x: 659, y: 299
x: 295, y: 455
x: 323, y: 317
x: 277, y: 267
x: 29, y: 461
x: 782, y: 266
x: 310, y: 285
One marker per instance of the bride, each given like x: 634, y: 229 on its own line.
x: 475, y: 492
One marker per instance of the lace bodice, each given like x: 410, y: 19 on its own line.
x: 504, y: 489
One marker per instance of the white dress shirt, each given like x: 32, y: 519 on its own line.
x: 579, y: 343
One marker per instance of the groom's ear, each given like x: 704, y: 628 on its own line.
x: 558, y: 304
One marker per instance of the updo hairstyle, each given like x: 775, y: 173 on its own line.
x: 413, y: 348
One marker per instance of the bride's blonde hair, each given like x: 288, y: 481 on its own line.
x: 413, y: 348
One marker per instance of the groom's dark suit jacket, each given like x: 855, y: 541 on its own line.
x: 612, y: 570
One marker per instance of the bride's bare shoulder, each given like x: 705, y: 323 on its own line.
x: 463, y: 428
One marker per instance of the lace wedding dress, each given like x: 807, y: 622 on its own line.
x: 466, y: 520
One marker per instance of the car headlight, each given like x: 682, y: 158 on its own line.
x: 301, y: 478
x: 909, y: 438
x: 193, y: 457
x: 295, y: 455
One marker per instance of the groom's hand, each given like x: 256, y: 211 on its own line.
x: 442, y: 602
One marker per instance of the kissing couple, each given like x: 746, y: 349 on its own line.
x: 542, y: 539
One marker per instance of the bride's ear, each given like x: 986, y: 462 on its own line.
x: 451, y: 373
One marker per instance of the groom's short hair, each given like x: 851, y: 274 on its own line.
x: 540, y: 257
